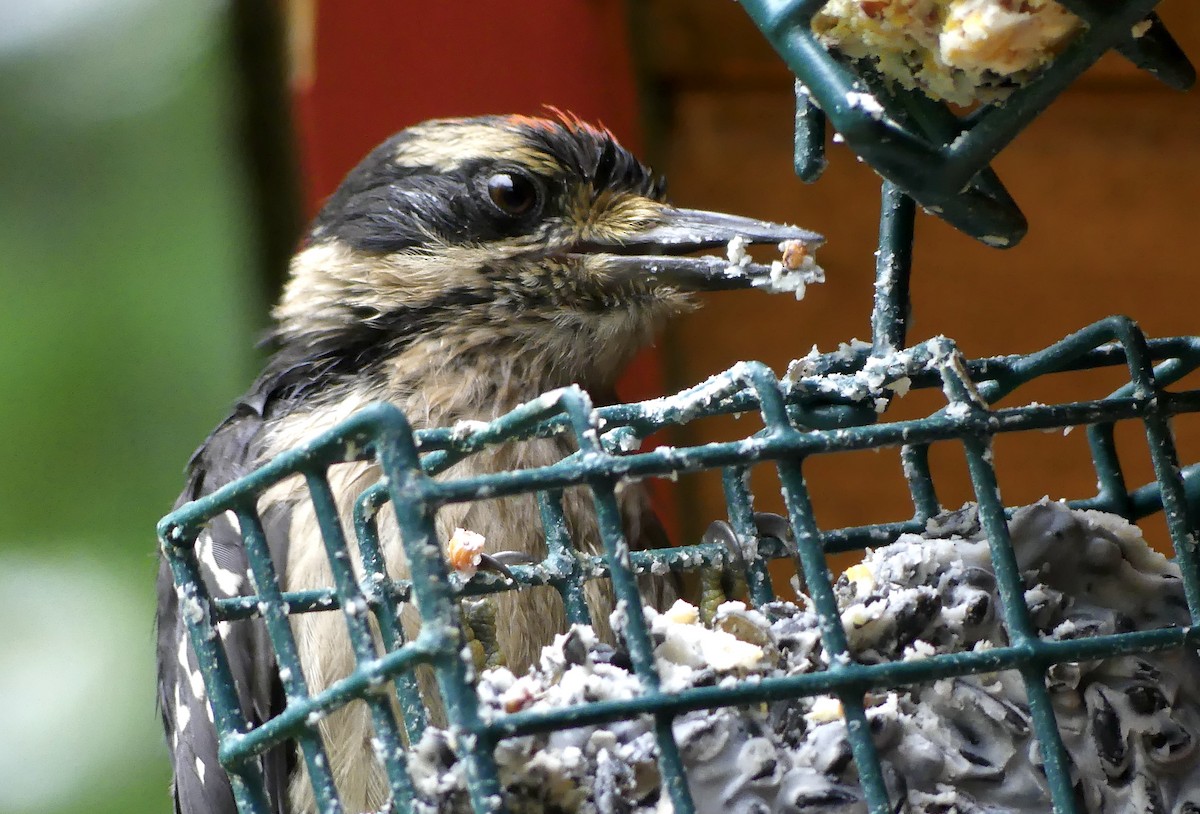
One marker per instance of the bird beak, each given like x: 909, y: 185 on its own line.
x: 656, y: 253
x: 498, y: 563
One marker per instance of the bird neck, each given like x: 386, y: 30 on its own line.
x: 480, y: 376
x: 464, y: 371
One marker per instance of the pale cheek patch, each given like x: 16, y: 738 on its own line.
x: 332, y: 285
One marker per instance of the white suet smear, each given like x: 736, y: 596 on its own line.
x: 792, y: 274
x: 865, y: 102
x: 1131, y: 724
x: 735, y: 252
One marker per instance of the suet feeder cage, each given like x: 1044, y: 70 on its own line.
x: 929, y: 155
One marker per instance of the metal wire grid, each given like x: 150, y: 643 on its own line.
x: 409, y: 461
x: 938, y: 157
x: 928, y: 154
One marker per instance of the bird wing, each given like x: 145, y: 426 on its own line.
x: 200, y: 784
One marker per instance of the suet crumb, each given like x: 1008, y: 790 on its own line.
x: 735, y: 252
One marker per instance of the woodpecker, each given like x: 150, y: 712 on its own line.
x: 463, y: 267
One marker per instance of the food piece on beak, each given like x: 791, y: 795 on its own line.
x: 658, y: 252
x: 794, y: 254
x: 794, y: 272
x: 465, y: 551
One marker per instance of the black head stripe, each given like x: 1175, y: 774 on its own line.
x: 386, y: 205
x: 374, y: 174
x: 415, y: 208
x: 402, y: 214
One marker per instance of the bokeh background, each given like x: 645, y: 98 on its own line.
x: 128, y: 307
x: 158, y: 156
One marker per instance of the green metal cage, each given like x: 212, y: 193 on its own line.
x: 928, y: 156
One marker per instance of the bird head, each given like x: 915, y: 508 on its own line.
x: 505, y: 237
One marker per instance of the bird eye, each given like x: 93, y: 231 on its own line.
x: 512, y: 193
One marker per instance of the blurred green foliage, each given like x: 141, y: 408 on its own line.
x: 128, y: 311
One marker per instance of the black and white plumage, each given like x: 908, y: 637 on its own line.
x: 465, y: 266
